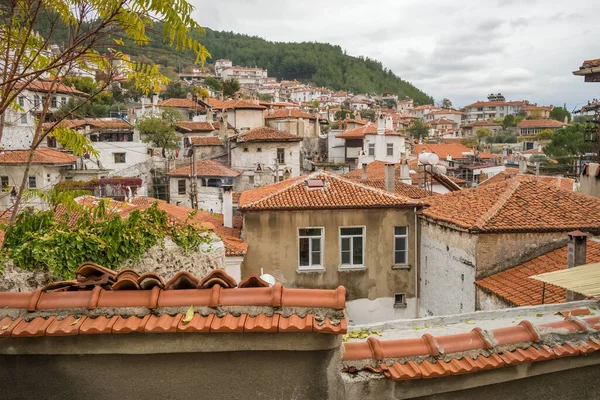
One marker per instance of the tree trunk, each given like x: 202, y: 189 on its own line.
x: 17, y: 203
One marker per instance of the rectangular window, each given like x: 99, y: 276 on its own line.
x: 310, y: 248
x: 352, y: 246
x: 390, y: 149
x: 54, y: 102
x: 24, y: 118
x: 4, y: 181
x: 36, y: 101
x: 400, y: 300
x: 32, y: 182
x: 63, y: 100
x: 371, y: 149
x: 401, y: 245
x: 119, y: 158
x: 181, y: 187
x: 259, y: 150
x: 251, y: 179
x: 245, y: 149
x: 22, y: 101
x: 280, y: 156
x: 51, y: 141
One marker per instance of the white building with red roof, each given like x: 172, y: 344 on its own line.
x: 495, y: 107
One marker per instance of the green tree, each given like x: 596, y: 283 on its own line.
x: 509, y: 121
x: 568, y: 141
x: 265, y: 97
x: 559, y: 114
x: 446, y: 103
x: 160, y: 130
x: 342, y: 114
x: 418, y: 129
x: 84, y: 84
x: 26, y: 56
x: 177, y: 90
x: 230, y: 86
x: 482, y: 133
x: 546, y: 134
x: 368, y: 114
x: 213, y: 83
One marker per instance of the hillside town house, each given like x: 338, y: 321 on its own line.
x: 324, y: 230
x: 476, y: 233
x: 537, y: 112
x: 241, y: 114
x: 421, y: 111
x: 264, y: 155
x: 190, y: 109
x: 250, y: 77
x: 590, y: 179
x: 470, y: 129
x: 530, y: 127
x: 405, y: 106
x: 495, y: 107
x: 446, y: 114
x: 294, y: 121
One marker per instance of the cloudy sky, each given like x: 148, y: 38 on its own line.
x: 460, y: 49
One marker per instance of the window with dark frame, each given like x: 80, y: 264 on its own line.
x: 119, y: 158
x: 54, y: 102
x: 400, y: 300
x: 352, y: 246
x: 251, y: 179
x: 24, y: 118
x: 400, y: 245
x: 51, y: 141
x: 4, y: 181
x: 280, y: 156
x: 310, y: 248
x: 371, y: 149
x: 390, y: 149
x: 32, y: 181
x: 181, y: 186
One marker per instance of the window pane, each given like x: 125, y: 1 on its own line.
x: 316, y: 244
x: 310, y: 232
x: 400, y: 257
x: 345, y: 244
x: 400, y: 244
x: 345, y: 257
x: 304, y: 252
x: 400, y: 230
x: 351, y: 231
x: 357, y: 250
x: 316, y: 258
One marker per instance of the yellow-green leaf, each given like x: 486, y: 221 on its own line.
x: 75, y: 322
x: 5, y: 327
x: 188, y: 316
x: 470, y: 322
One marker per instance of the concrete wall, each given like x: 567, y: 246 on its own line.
x: 247, y: 119
x: 336, y: 150
x: 447, y: 270
x: 17, y: 137
x: 381, y: 142
x: 486, y: 301
x: 589, y: 185
x: 297, y: 126
x: 272, y: 239
x: 379, y: 310
x: 209, y: 198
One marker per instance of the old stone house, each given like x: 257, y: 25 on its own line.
x: 530, y: 127
x: 189, y: 109
x: 241, y: 114
x: 322, y: 230
x: 589, y: 179
x: 294, y: 121
x: 474, y: 233
x: 264, y: 155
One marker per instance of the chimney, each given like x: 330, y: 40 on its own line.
x: 358, y: 115
x: 405, y: 171
x: 271, y: 110
x: 576, y: 255
x: 381, y: 125
x: 227, y: 206
x: 522, y: 165
x: 154, y: 99
x: 339, y: 123
x: 189, y: 97
x: 390, y: 178
x: 364, y: 171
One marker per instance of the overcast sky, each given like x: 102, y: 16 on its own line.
x: 460, y: 49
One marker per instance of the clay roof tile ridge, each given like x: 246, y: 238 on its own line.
x: 504, y: 197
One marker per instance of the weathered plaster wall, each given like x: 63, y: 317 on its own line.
x: 447, y: 270
x: 46, y: 177
x: 273, y: 246
x: 589, y: 184
x: 16, y: 137
x: 486, y: 301
x: 365, y: 311
x: 247, y: 119
x: 209, y: 198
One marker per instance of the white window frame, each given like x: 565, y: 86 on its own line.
x: 369, y: 147
x: 352, y: 266
x: 311, y: 267
x: 405, y: 236
x: 388, y: 147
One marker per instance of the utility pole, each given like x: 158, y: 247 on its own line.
x: 194, y: 186
x: 276, y: 170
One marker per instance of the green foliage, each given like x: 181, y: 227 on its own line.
x: 342, y: 114
x: 418, y: 129
x: 368, y: 114
x: 265, y: 97
x: 446, y: 103
x: 56, y: 196
x: 85, y: 84
x: 177, y: 90
x: 582, y: 119
x: 230, y: 86
x: 546, y: 134
x: 568, y: 141
x: 160, y: 130
x: 42, y: 240
x: 501, y: 139
x: 509, y: 121
x: 559, y: 114
x: 482, y: 133
x: 469, y: 143
x: 213, y: 83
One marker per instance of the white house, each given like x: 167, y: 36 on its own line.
x: 241, y: 114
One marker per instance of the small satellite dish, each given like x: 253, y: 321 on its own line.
x: 269, y: 279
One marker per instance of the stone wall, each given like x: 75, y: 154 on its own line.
x: 487, y: 301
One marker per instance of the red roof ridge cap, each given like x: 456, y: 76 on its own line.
x: 374, y: 189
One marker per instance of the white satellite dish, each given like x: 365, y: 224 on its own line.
x: 269, y: 279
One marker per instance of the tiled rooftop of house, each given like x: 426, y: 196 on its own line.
x: 42, y: 85
x: 320, y: 190
x: 93, y: 123
x: 180, y: 103
x: 516, y: 206
x: 558, y: 181
x: 402, y: 189
x: 477, y: 350
x: 541, y: 123
x: 288, y: 113
x: 233, y: 104
x: 515, y: 287
x: 203, y: 126
x: 478, y: 124
x: 266, y: 134
x: 533, y: 107
x: 369, y: 129
x: 441, y: 121
x: 590, y: 64
x: 40, y: 156
x: 205, y: 168
x: 102, y: 302
x: 206, y: 141
x: 455, y: 150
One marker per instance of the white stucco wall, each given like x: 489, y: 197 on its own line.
x: 447, y: 270
x: 17, y: 137
x: 489, y: 302
x: 365, y: 311
x: 246, y: 119
x: 335, y: 147
x: 381, y: 142
x: 136, y: 152
x: 46, y: 177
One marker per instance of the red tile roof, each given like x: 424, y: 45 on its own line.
x: 180, y: 103
x: 498, y: 103
x: 514, y: 286
x: 516, y: 206
x: 401, y: 188
x: 46, y: 86
x: 478, y: 350
x: 446, y: 111
x: 441, y: 121
x: 590, y: 64
x: 288, y: 113
x: 558, y: 181
x: 94, y: 123
x: 336, y: 193
x: 360, y: 132
x: 189, y: 126
x: 266, y: 134
x: 455, y: 150
x: 541, y: 123
x: 205, y: 168
x: 233, y: 104
x: 40, y: 156
x: 206, y: 141
x: 99, y: 301
x: 537, y: 108
x: 476, y: 124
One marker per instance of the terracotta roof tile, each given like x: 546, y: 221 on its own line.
x: 233, y: 104
x: 205, y: 168
x: 266, y: 134
x: 93, y: 123
x: 434, y: 357
x: 162, y: 310
x: 514, y: 286
x: 335, y: 192
x: 43, y: 85
x: 558, y: 181
x: 288, y: 113
x: 541, y: 123
x: 590, y: 64
x: 516, y: 206
x: 40, y: 156
x: 369, y: 129
x: 402, y: 189
x: 477, y: 124
x: 455, y: 150
x: 180, y: 103
x: 203, y: 126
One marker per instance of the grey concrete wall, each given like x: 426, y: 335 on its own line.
x: 273, y: 247
x: 225, y: 375
x: 590, y: 185
x: 447, y: 270
x: 486, y: 301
